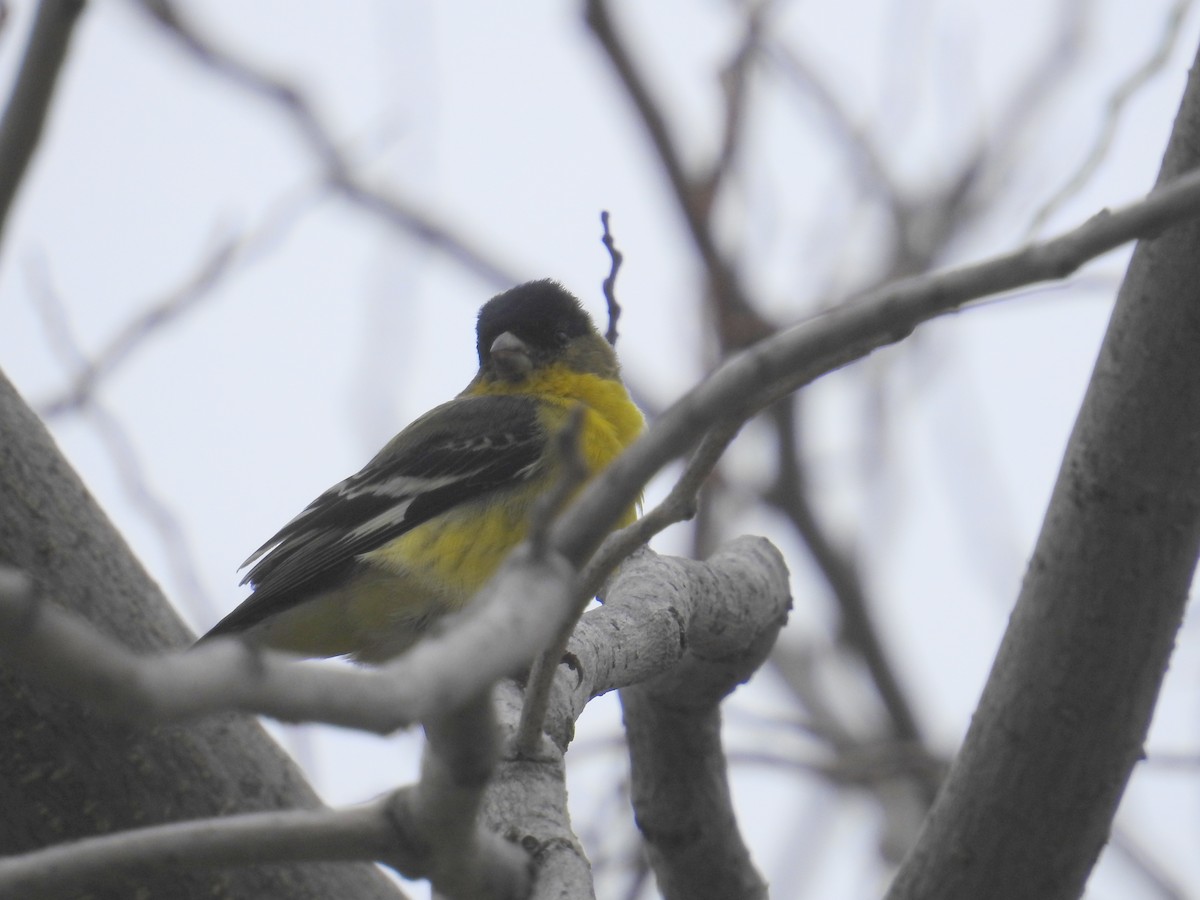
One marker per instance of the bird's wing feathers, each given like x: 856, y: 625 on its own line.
x: 454, y: 454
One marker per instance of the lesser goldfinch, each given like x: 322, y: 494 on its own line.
x: 365, y: 568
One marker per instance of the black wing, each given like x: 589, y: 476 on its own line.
x: 455, y: 453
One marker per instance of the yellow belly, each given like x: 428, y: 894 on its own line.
x: 435, y: 568
x: 455, y: 553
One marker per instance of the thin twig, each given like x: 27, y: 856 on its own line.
x: 868, y: 765
x: 25, y: 114
x: 1034, y: 92
x: 1161, y: 884
x: 523, y: 606
x: 391, y: 830
x: 1126, y: 91
x: 537, y: 696
x: 858, y: 629
x: 312, y: 131
x: 165, y: 525
x: 853, y: 142
x: 230, y: 252
x: 610, y: 283
x: 574, y: 472
x: 692, y: 198
x: 735, y: 86
x: 363, y: 833
x: 676, y: 507
x: 886, y: 315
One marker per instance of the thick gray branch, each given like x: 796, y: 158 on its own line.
x: 1030, y: 800
x: 679, y: 785
x: 166, y: 851
x: 459, y: 759
x: 516, y: 615
x: 67, y: 772
x: 695, y: 627
x: 693, y: 630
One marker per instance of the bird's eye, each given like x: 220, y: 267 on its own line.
x: 561, y: 338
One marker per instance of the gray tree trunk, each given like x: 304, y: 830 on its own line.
x: 1030, y: 799
x: 65, y: 773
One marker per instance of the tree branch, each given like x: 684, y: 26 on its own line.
x: 1125, y: 91
x: 610, y: 282
x: 386, y: 206
x: 679, y: 784
x: 459, y: 759
x: 1065, y: 710
x: 857, y: 625
x: 677, y: 506
x: 494, y: 638
x: 651, y: 592
x: 727, y: 607
x: 883, y: 316
x: 694, y: 200
x: 430, y: 678
x: 365, y: 833
x: 21, y: 126
x: 231, y: 251
x: 106, y: 775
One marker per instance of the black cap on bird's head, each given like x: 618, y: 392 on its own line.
x: 534, y: 324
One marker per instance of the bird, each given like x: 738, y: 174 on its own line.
x: 365, y: 569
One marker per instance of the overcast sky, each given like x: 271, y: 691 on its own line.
x: 331, y: 331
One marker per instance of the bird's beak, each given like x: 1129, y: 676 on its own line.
x: 511, y: 357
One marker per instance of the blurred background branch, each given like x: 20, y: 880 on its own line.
x: 763, y: 161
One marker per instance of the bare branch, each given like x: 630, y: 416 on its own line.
x: 747, y: 576
x: 537, y: 694
x: 679, y: 790
x: 527, y: 803
x: 867, y: 765
x: 21, y: 125
x: 1063, y: 716
x: 650, y: 592
x: 492, y: 639
x: 1048, y: 72
x: 677, y: 506
x: 396, y: 830
x: 888, y: 314
x: 1161, y: 884
x: 457, y: 765
x: 735, y: 85
x: 218, y: 263
x: 610, y: 283
x: 132, y: 474
x: 365, y: 833
x: 296, y: 107
x: 857, y: 626
x: 694, y: 200
x: 53, y: 530
x: 406, y: 218
x: 854, y: 141
x: 1126, y: 91
x: 599, y: 19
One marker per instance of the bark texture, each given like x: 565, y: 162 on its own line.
x: 1029, y: 802
x: 64, y: 772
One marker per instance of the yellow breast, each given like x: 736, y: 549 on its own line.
x: 456, y: 552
